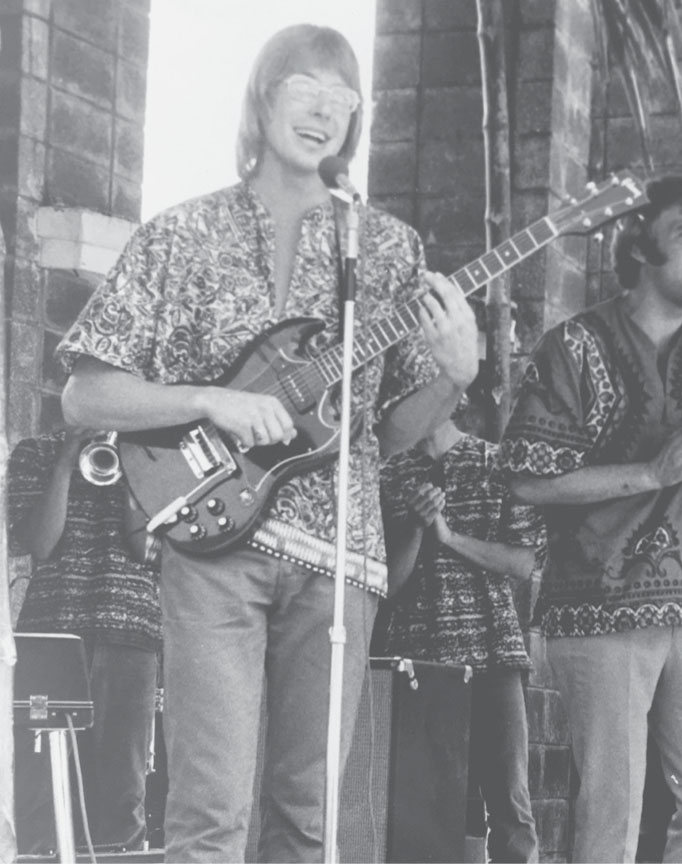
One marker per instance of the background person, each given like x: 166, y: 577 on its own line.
x: 455, y: 543
x: 84, y: 582
x: 595, y: 439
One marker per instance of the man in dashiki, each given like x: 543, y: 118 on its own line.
x: 595, y: 438
x: 455, y: 542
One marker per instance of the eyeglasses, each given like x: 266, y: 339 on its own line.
x: 303, y: 88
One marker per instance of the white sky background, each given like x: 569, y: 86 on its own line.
x: 200, y: 56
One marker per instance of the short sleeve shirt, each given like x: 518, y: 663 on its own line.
x: 452, y: 611
x: 195, y: 286
x: 593, y: 394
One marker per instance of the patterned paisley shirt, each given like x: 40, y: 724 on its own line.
x: 452, y: 611
x: 194, y: 287
x: 89, y: 585
x: 593, y: 395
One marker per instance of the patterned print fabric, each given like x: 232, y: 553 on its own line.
x: 593, y: 395
x: 452, y: 611
x: 195, y: 286
x: 89, y: 585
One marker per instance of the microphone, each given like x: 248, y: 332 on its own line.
x: 333, y: 171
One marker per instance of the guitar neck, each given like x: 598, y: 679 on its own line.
x: 405, y: 318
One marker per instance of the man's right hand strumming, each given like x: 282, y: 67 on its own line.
x: 252, y: 419
x: 103, y: 397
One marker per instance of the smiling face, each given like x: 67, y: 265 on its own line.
x: 308, y: 120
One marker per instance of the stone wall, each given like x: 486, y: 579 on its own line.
x: 72, y: 91
x: 426, y: 166
x: 72, y: 75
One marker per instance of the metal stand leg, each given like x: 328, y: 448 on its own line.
x: 61, y: 795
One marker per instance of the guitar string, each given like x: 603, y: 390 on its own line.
x: 489, y: 266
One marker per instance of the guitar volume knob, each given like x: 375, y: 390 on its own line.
x: 225, y: 524
x: 188, y: 513
x: 215, y: 506
x: 197, y: 532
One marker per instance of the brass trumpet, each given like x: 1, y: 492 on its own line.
x: 99, y: 461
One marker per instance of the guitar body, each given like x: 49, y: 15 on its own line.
x: 226, y: 490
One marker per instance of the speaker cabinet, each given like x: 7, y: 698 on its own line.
x: 51, y: 682
x: 404, y: 792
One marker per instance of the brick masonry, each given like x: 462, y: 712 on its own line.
x: 72, y: 86
x: 73, y: 138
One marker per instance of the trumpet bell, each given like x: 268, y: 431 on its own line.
x: 99, y: 461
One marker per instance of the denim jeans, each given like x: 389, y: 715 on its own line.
x: 614, y: 687
x: 498, y: 763
x: 115, y: 751
x: 229, y: 622
x: 113, y: 755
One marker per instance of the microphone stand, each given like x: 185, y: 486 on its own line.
x: 337, y: 633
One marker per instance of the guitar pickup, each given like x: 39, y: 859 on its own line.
x: 205, y: 452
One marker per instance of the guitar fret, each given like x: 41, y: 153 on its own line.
x: 478, y: 275
x: 508, y: 252
x: 373, y: 341
x: 464, y: 281
x: 541, y: 232
x: 413, y: 312
x: 405, y: 323
x: 390, y: 323
x: 492, y: 263
x: 322, y: 364
x: 525, y: 243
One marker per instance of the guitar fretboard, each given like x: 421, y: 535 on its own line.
x: 405, y: 318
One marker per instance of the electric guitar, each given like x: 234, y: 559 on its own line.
x: 194, y: 485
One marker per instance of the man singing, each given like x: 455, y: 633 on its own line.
x: 193, y: 288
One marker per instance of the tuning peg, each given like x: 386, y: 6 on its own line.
x: 591, y: 186
x: 598, y: 236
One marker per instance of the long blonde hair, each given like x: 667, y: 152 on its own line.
x: 293, y: 49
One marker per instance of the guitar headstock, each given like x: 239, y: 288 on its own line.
x: 604, y: 202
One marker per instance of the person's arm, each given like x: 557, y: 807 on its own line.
x: 104, y: 397
x: 503, y: 558
x: 604, y: 482
x: 404, y: 536
x: 43, y: 526
x: 450, y: 329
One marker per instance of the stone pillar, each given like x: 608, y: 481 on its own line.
x: 73, y: 78
x: 72, y: 91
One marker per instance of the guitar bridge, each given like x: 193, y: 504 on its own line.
x: 205, y: 452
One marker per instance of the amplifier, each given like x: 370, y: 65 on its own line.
x: 51, y: 682
x: 404, y: 791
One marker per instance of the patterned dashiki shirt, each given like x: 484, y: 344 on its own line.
x: 593, y: 395
x: 193, y: 288
x: 89, y: 585
x: 452, y: 611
